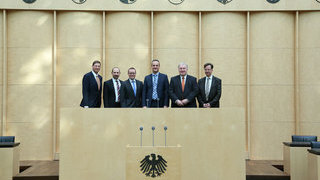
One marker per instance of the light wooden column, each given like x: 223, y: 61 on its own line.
x: 2, y: 70
x: 29, y: 105
x: 128, y: 43
x: 79, y: 44
x: 225, y: 48
x: 309, y: 76
x: 176, y: 40
x: 272, y: 82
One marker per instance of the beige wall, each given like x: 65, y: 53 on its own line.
x: 1, y: 66
x: 177, y: 42
x: 164, y: 5
x: 262, y: 72
x: 309, y: 77
x: 79, y: 43
x: 272, y: 82
x: 128, y: 43
x: 29, y: 73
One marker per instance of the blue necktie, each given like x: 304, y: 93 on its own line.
x: 154, y: 88
x: 134, y: 88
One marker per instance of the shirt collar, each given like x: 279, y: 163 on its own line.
x: 134, y: 80
x: 185, y: 77
x: 114, y: 80
x: 157, y: 74
x: 209, y: 77
x: 95, y: 75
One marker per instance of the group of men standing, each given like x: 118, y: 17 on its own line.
x: 154, y: 92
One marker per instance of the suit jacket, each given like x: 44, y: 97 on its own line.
x: 162, y: 90
x: 214, y: 95
x: 190, y: 92
x: 127, y: 97
x: 109, y: 96
x: 91, y: 96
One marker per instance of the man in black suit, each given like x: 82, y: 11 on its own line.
x: 111, y: 90
x: 131, y: 90
x: 210, y: 89
x: 91, y: 87
x: 155, y: 88
x: 183, y: 88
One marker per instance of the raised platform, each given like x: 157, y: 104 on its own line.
x: 49, y: 170
x: 38, y: 170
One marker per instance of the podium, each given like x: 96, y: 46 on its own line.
x: 153, y: 162
x: 94, y: 143
x: 9, y: 155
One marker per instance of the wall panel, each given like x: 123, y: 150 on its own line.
x: 128, y: 42
x: 309, y: 77
x: 272, y: 82
x: 176, y: 40
x: 29, y: 112
x: 224, y: 45
x: 1, y: 65
x: 79, y: 43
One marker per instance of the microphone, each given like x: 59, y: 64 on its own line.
x: 158, y: 102
x: 165, y: 135
x: 153, y: 128
x: 141, y: 129
x: 147, y: 102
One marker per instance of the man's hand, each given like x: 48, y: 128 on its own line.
x: 179, y: 103
x: 185, y: 101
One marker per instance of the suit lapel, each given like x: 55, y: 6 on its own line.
x: 94, y: 80
x: 203, y: 86
x: 212, y: 84
x: 180, y: 83
x: 130, y: 86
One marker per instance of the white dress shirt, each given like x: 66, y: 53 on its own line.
x: 115, y: 88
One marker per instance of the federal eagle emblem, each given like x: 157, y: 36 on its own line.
x: 29, y: 1
x: 79, y: 1
x: 273, y: 1
x: 153, y: 167
x: 224, y: 1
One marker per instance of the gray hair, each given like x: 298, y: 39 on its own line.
x: 182, y: 63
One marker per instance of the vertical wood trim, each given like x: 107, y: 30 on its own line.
x: 200, y: 45
x: 54, y: 116
x: 248, y: 112
x: 152, y: 39
x: 4, y: 75
x: 296, y: 77
x: 104, y: 44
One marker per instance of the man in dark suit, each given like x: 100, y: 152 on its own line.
x: 210, y: 89
x: 131, y: 90
x: 91, y: 87
x: 111, y: 90
x: 155, y: 88
x: 183, y: 88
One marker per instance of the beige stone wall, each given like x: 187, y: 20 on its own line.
x: 268, y: 63
x: 29, y: 82
x: 272, y: 82
x: 128, y: 43
x: 309, y: 77
x: 1, y: 68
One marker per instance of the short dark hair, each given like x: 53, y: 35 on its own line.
x: 95, y: 62
x: 155, y: 60
x: 132, y: 68
x: 114, y: 68
x: 208, y: 64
